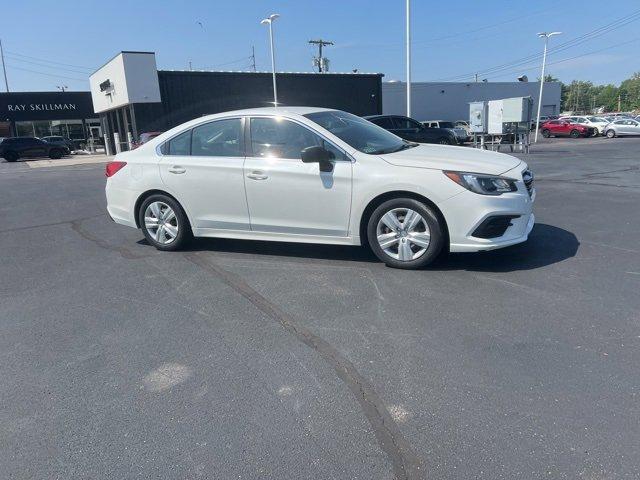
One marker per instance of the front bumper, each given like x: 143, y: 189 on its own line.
x: 467, y: 211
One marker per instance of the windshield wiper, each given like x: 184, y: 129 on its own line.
x: 404, y: 146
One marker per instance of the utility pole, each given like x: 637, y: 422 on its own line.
x: 253, y: 58
x: 476, y: 78
x: 546, y: 36
x: 4, y: 68
x: 619, y: 101
x: 190, y: 66
x: 320, y: 60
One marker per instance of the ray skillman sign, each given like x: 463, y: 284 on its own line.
x: 32, y: 106
x: 42, y: 106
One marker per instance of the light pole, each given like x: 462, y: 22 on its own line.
x: 269, y: 20
x: 408, y: 58
x: 546, y: 37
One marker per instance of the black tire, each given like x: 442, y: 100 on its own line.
x: 55, y: 153
x: 610, y: 134
x: 444, y: 141
x: 575, y: 134
x: 184, y: 235
x: 546, y: 133
x: 11, y: 156
x: 436, y: 230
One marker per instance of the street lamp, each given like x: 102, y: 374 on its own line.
x: 546, y: 37
x: 269, y: 20
x: 408, y: 12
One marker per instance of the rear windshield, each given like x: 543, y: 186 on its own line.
x: 447, y: 125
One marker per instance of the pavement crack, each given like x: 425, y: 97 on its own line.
x: 53, y: 224
x: 76, y: 226
x: 406, y: 464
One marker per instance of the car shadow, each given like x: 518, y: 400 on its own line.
x: 546, y: 245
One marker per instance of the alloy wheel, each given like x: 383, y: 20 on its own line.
x: 403, y: 234
x: 161, y: 222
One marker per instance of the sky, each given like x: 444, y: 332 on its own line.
x: 60, y: 44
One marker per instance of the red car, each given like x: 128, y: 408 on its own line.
x: 565, y: 128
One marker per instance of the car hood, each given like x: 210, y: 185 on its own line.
x: 461, y: 159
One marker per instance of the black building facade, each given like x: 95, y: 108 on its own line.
x: 188, y: 95
x: 40, y: 114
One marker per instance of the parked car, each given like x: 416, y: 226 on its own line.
x: 621, y: 127
x: 144, y: 138
x: 461, y: 133
x: 597, y: 123
x: 62, y: 141
x: 565, y: 128
x: 13, y: 148
x: 303, y: 174
x: 413, y: 130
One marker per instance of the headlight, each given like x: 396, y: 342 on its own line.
x: 483, y: 184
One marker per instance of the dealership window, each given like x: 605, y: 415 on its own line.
x: 222, y: 138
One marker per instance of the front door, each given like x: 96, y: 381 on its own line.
x: 34, y: 148
x: 203, y: 169
x: 288, y: 196
x: 410, y: 129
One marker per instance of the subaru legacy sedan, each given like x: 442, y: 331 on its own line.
x: 313, y: 175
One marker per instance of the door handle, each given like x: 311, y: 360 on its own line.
x: 177, y: 169
x: 258, y: 175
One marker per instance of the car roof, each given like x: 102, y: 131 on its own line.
x: 276, y: 111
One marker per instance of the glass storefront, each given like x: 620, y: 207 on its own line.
x: 72, y: 129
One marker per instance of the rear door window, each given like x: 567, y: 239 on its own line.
x: 222, y: 138
x: 179, y: 145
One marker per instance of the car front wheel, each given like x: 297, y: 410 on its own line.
x: 546, y: 133
x: 445, y: 141
x: 575, y: 134
x: 55, y: 153
x: 611, y: 133
x: 164, y: 223
x: 405, y: 233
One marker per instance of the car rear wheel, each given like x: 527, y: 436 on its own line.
x: 611, y: 133
x: 405, y: 233
x: 574, y: 133
x: 55, y: 153
x: 164, y: 223
x: 11, y: 156
x: 546, y: 133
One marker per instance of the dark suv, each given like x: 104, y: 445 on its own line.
x: 14, y: 148
x: 412, y: 130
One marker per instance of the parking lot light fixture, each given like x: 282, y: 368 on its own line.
x: 546, y: 36
x: 269, y: 20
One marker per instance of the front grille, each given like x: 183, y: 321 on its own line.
x: 527, y: 178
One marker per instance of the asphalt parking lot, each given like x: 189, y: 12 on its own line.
x: 263, y: 360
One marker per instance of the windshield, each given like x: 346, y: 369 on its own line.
x: 361, y: 134
x: 447, y: 125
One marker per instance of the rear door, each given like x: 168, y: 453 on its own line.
x: 203, y: 168
x: 288, y: 196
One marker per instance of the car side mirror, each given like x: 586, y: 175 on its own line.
x: 319, y: 155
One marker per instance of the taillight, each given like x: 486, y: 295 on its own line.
x: 113, y: 167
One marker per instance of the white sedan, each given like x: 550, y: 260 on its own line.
x: 302, y: 174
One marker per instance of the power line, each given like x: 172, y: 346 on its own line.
x: 49, y: 74
x: 16, y: 59
x: 618, y: 23
x: 49, y: 61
